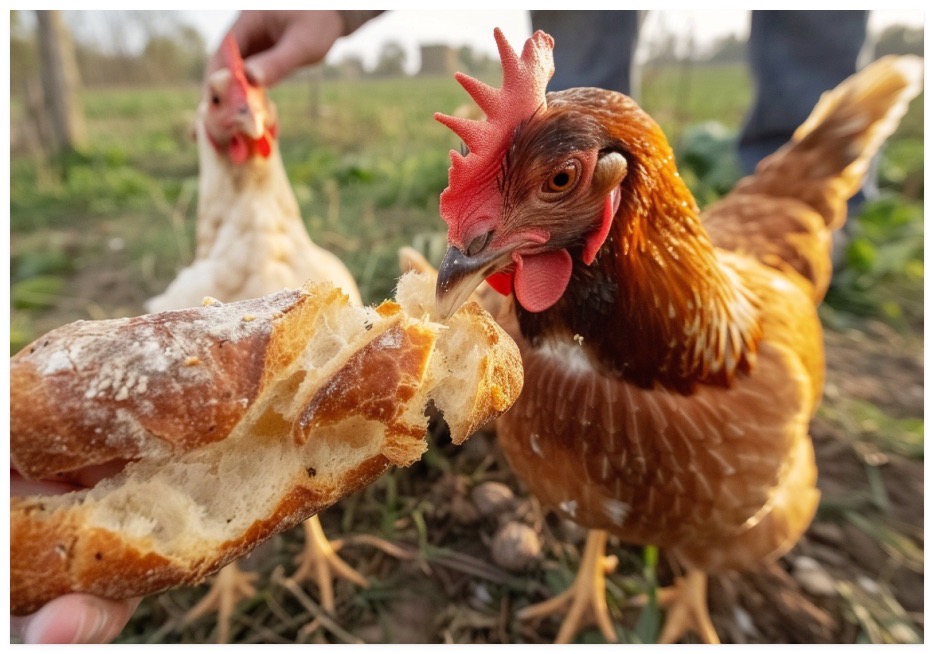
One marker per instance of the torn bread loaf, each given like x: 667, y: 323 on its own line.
x: 239, y: 421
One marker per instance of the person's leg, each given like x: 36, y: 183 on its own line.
x: 794, y: 56
x: 592, y: 48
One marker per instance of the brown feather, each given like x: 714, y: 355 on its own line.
x: 658, y: 466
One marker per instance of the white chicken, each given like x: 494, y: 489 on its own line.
x: 250, y: 238
x: 251, y: 241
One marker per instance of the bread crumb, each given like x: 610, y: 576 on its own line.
x: 209, y: 301
x: 192, y: 361
x: 579, y: 339
x: 248, y: 318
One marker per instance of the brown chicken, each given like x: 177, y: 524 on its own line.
x: 251, y: 241
x: 673, y: 358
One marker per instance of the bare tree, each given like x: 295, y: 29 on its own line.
x: 60, y: 82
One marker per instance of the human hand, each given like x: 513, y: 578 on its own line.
x: 273, y: 43
x: 76, y: 617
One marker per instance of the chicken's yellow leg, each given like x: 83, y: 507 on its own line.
x: 319, y: 562
x: 229, y: 586
x: 587, y: 592
x: 686, y: 603
x: 687, y: 609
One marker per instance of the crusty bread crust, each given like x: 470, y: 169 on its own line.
x: 95, y: 391
x: 241, y: 421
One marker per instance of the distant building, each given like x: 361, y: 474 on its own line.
x: 438, y: 60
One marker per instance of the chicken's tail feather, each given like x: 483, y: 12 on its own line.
x: 785, y: 212
x: 829, y: 155
x: 861, y: 113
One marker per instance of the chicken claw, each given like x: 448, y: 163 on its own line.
x: 587, y: 591
x: 229, y: 587
x: 686, y: 602
x: 319, y: 561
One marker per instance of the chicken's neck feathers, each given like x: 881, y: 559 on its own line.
x: 660, y: 304
x: 234, y: 194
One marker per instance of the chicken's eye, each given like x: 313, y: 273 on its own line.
x: 215, y: 99
x: 562, y: 179
x: 477, y: 244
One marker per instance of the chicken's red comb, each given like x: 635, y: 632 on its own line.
x: 230, y: 52
x: 522, y: 93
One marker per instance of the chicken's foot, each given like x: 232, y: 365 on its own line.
x: 686, y: 603
x: 319, y: 561
x: 587, y: 592
x: 229, y: 587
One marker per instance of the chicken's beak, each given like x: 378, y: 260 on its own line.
x: 250, y: 121
x: 459, y: 275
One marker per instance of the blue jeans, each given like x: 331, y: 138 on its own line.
x: 794, y: 56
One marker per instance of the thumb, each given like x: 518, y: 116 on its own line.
x: 269, y: 67
x: 76, y: 618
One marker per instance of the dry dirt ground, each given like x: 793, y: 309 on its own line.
x: 856, y: 576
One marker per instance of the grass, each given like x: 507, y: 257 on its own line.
x: 870, y: 425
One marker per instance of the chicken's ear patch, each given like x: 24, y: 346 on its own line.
x: 595, y: 239
x: 608, y: 174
